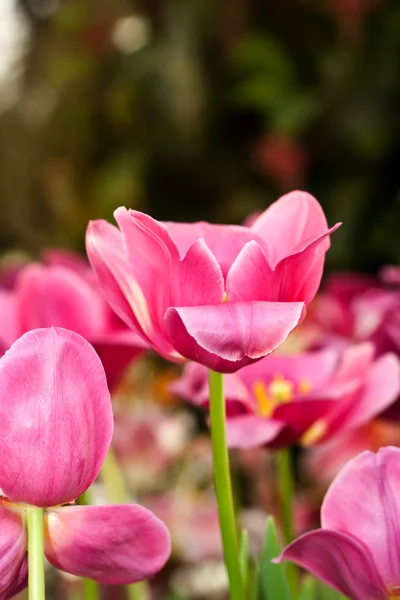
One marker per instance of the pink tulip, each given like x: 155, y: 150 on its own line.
x: 57, y: 424
x: 63, y: 292
x: 224, y: 296
x: 357, y: 549
x: 309, y: 397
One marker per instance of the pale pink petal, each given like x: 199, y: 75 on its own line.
x: 250, y: 431
x: 224, y: 241
x: 339, y: 560
x: 250, y: 277
x: 289, y: 221
x: 355, y: 363
x: 364, y: 502
x: 13, y: 556
x: 65, y: 258
x: 55, y: 415
x: 198, y: 278
x: 380, y: 390
x: 106, y: 254
x: 228, y: 336
x: 111, y: 544
x: 56, y: 296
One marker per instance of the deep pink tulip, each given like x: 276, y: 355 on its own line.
x: 357, y: 549
x: 224, y: 296
x: 63, y: 292
x: 57, y: 424
x: 309, y: 397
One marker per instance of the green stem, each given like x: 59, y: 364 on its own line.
x: 223, y: 487
x: 35, y: 526
x: 117, y: 493
x: 286, y: 493
x: 91, y: 589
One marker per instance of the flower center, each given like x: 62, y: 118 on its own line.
x: 278, y: 391
x: 393, y: 593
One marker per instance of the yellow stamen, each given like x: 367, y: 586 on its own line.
x: 266, y: 404
x: 281, y: 389
x: 314, y: 433
x: 305, y: 386
x: 225, y: 297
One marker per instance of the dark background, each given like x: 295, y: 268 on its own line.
x: 204, y: 109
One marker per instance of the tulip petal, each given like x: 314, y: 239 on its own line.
x: 369, y: 487
x: 56, y: 296
x: 55, y: 415
x: 293, y: 218
x: 249, y: 431
x: 224, y: 241
x: 11, y: 327
x: 380, y: 390
x: 106, y: 254
x: 111, y: 544
x: 13, y: 557
x: 250, y: 277
x: 228, y: 336
x: 355, y: 362
x: 340, y: 561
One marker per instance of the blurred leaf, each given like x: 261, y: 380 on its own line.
x: 273, y: 578
x: 244, y: 555
x: 308, y: 588
x: 327, y: 593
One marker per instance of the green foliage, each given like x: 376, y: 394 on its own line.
x: 274, y: 581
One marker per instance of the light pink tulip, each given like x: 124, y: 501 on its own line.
x: 57, y: 424
x: 63, y: 292
x: 357, y: 550
x: 224, y: 296
x: 309, y: 397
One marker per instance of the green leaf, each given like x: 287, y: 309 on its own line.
x: 308, y: 588
x: 273, y: 578
x: 244, y: 555
x: 327, y: 593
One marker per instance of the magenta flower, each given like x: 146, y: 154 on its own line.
x: 63, y: 292
x: 308, y: 397
x: 224, y: 296
x: 57, y: 424
x: 357, y: 549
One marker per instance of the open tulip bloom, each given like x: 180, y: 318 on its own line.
x: 63, y: 292
x: 357, y: 549
x: 57, y: 424
x: 224, y: 296
x: 309, y: 397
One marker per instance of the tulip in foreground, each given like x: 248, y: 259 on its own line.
x: 357, y: 549
x: 57, y: 424
x: 309, y: 397
x: 224, y: 296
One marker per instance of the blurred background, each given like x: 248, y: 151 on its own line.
x: 196, y: 109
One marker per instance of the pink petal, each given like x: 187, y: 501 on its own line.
x: 339, y: 560
x: 57, y: 296
x: 250, y: 277
x: 198, y: 278
x: 224, y: 241
x: 380, y: 390
x: 116, y: 357
x: 355, y: 363
x: 300, y: 273
x: 106, y: 254
x: 11, y: 327
x: 364, y: 502
x: 289, y: 221
x: 13, y: 556
x: 111, y: 544
x: 56, y: 417
x: 250, y: 431
x: 228, y: 336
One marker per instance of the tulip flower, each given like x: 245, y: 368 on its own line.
x: 57, y: 424
x: 356, y: 551
x: 309, y: 397
x: 224, y: 296
x: 63, y: 292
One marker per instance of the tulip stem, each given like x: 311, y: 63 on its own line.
x: 286, y: 491
x: 117, y: 493
x: 35, y: 526
x: 91, y: 589
x: 223, y: 486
